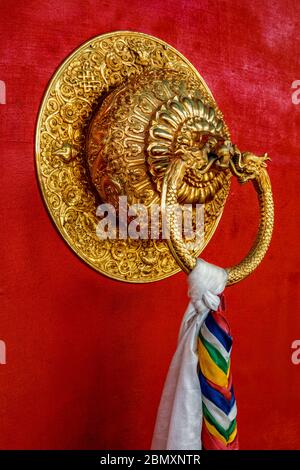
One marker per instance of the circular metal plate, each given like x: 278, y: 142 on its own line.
x: 73, y: 94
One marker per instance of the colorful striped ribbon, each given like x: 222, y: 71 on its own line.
x: 219, y: 428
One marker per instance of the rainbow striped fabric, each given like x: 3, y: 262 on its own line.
x: 219, y: 429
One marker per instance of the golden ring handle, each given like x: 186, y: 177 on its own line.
x: 261, y: 182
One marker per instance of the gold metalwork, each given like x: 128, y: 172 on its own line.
x: 126, y: 114
x: 247, y: 167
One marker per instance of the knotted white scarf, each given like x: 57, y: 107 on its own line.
x: 179, y: 418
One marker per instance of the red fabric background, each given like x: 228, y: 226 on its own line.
x: 87, y: 356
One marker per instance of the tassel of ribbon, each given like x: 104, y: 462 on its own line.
x: 219, y: 429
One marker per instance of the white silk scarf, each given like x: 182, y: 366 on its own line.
x: 179, y: 418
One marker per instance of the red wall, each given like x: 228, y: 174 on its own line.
x: 87, y: 356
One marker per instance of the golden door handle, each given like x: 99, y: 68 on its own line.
x: 246, y: 167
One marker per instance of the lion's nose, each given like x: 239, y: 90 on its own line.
x: 201, y: 162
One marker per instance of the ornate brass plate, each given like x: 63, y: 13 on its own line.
x: 78, y: 87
